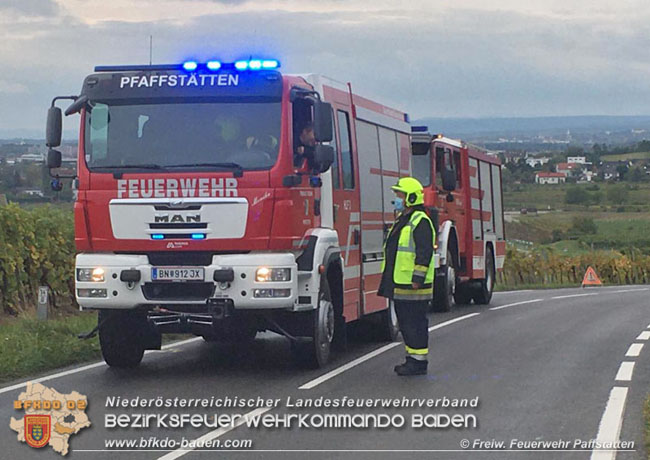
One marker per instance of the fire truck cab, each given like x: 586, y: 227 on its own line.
x: 463, y: 194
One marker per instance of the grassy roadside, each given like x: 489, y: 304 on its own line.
x: 646, y: 418
x: 29, y: 346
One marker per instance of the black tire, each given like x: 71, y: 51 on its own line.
x: 121, y: 337
x: 315, y: 353
x: 463, y: 295
x: 483, y: 294
x: 445, y: 286
x: 388, y: 326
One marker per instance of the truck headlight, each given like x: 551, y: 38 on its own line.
x: 90, y: 275
x: 264, y: 274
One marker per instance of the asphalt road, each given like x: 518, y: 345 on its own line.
x: 544, y: 365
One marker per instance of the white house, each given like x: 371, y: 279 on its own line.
x: 535, y: 162
x: 550, y: 178
x: 580, y: 160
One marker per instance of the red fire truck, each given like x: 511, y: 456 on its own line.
x: 195, y: 213
x: 463, y: 194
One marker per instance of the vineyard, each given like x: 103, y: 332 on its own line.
x: 37, y: 249
x: 547, y: 267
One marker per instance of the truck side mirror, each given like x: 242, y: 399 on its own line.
x: 53, y: 159
x: 53, y: 127
x: 323, y: 157
x: 323, y: 131
x: 448, y: 180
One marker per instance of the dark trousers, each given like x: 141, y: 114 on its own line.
x: 413, y: 322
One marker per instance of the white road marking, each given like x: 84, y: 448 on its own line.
x: 86, y: 367
x: 609, y: 430
x: 512, y: 292
x: 516, y: 303
x: 339, y: 370
x: 624, y: 373
x: 631, y: 290
x: 645, y: 335
x: 572, y: 295
x: 634, y: 350
x: 215, y: 434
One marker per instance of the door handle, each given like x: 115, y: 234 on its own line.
x: 336, y: 211
x: 355, y: 236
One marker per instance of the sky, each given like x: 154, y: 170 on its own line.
x: 436, y: 58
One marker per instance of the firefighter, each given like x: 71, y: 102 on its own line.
x: 407, y: 276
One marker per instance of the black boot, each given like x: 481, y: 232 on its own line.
x: 412, y: 367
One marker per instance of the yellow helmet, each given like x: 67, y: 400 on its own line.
x: 413, y: 190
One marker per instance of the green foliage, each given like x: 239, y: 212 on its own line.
x: 36, y: 248
x: 584, y: 225
x: 618, y: 194
x: 547, y: 267
x: 30, y: 346
x: 577, y: 195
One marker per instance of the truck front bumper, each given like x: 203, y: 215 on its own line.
x: 244, y: 291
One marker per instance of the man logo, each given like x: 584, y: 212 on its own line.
x: 37, y: 430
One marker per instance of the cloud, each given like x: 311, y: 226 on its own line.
x: 12, y: 87
x: 498, y: 58
x: 30, y: 7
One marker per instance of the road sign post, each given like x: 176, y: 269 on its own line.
x: 41, y: 309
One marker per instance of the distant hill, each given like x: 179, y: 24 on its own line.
x: 464, y: 127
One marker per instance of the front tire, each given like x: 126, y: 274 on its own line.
x: 316, y: 352
x: 445, y: 288
x: 121, y: 337
x: 389, y: 327
x: 483, y: 294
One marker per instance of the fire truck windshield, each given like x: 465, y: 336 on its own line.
x: 246, y: 134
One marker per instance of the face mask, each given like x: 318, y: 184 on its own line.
x: 399, y: 204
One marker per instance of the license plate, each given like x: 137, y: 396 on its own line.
x: 177, y: 274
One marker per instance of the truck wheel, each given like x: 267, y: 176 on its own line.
x: 443, y: 294
x: 120, y: 337
x: 483, y: 294
x: 389, y: 327
x: 463, y: 295
x: 316, y: 352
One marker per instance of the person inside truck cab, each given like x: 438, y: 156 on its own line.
x: 305, y: 145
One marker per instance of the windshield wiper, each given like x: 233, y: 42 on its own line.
x: 143, y: 166
x: 238, y: 169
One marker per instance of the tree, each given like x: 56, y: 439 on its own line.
x: 584, y: 225
x: 577, y: 195
x: 617, y: 194
x: 636, y: 174
x: 622, y: 171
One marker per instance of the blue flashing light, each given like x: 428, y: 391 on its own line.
x: 419, y: 129
x: 157, y: 236
x: 241, y: 65
x: 255, y: 64
x: 190, y: 65
x: 213, y: 65
x: 198, y: 236
x: 270, y: 64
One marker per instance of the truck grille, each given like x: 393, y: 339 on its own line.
x: 199, y: 259
x: 178, y: 291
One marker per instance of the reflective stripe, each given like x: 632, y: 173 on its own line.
x: 416, y: 351
x: 406, y: 249
x: 420, y: 268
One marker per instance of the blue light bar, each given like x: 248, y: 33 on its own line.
x: 241, y: 65
x: 198, y: 236
x: 270, y: 64
x: 157, y: 236
x: 213, y: 65
x: 190, y: 65
x: 419, y: 129
x: 255, y: 64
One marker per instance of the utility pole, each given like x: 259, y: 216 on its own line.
x: 150, y: 49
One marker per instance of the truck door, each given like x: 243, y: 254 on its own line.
x: 347, y: 217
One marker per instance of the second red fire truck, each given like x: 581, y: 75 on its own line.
x: 195, y: 214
